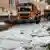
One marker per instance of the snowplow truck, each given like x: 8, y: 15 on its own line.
x: 28, y: 11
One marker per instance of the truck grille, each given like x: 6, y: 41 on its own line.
x: 24, y: 14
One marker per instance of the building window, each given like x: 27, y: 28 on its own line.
x: 11, y: 3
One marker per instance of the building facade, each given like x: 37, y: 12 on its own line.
x: 7, y: 4
x: 4, y: 3
x: 12, y: 4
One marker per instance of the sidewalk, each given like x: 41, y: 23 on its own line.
x: 4, y: 26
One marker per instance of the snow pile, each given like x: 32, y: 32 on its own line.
x: 13, y: 38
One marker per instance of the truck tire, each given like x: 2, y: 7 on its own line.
x: 48, y: 18
x: 37, y: 20
x: 7, y: 21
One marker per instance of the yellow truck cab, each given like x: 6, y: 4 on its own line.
x: 25, y: 10
x: 28, y: 11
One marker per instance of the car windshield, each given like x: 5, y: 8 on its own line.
x: 46, y: 10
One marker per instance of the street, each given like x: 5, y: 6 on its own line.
x: 12, y: 37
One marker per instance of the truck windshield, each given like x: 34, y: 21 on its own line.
x: 25, y: 9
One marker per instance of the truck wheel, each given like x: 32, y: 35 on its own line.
x: 7, y: 21
x: 48, y: 18
x: 37, y: 20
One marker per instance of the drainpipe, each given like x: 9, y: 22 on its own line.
x: 10, y: 10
